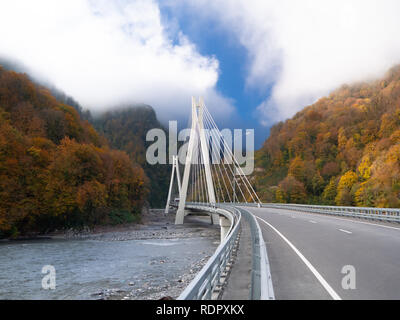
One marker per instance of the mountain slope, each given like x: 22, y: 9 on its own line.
x: 343, y: 150
x: 56, y: 171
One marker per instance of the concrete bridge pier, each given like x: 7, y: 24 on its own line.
x: 225, y: 226
x: 215, y: 219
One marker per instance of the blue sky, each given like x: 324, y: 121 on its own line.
x: 212, y: 40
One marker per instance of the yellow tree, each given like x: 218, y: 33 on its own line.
x: 346, y: 182
x: 297, y: 169
x: 330, y: 192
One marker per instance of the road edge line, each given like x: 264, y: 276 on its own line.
x: 319, y: 277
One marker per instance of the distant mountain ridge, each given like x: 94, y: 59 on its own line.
x: 126, y: 128
x: 342, y: 150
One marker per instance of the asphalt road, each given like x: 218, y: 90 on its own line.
x: 307, y: 253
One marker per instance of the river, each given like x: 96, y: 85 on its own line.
x: 93, y: 269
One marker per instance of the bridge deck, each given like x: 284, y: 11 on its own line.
x: 328, y: 244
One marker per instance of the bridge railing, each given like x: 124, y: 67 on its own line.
x: 210, y: 277
x: 261, y: 281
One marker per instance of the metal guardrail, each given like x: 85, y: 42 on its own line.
x: 207, y: 280
x: 261, y: 281
x: 381, y: 214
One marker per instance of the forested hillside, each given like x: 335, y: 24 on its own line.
x: 56, y: 171
x: 342, y: 150
x: 126, y: 130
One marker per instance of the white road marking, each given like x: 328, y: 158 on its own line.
x: 345, y: 231
x: 312, y: 221
x: 372, y: 224
x: 319, y: 277
x: 342, y: 219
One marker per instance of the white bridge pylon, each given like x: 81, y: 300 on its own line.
x: 212, y: 174
x: 175, y: 171
x: 197, y: 131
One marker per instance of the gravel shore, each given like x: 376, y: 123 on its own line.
x: 170, y: 289
x: 154, y: 225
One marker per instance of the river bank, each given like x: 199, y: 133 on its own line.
x: 153, y: 225
x: 151, y: 260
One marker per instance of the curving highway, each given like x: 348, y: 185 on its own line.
x: 312, y: 256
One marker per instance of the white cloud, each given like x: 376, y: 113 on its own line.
x: 109, y: 52
x: 307, y: 48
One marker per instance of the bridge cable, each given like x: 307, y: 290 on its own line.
x: 241, y: 173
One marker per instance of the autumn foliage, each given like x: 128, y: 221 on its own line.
x: 342, y: 150
x: 56, y: 171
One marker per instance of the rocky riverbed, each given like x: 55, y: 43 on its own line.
x: 155, y: 225
x: 169, y: 289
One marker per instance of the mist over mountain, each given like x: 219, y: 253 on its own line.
x: 17, y: 66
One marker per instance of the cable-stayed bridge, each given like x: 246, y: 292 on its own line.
x: 279, y: 251
x: 212, y: 175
